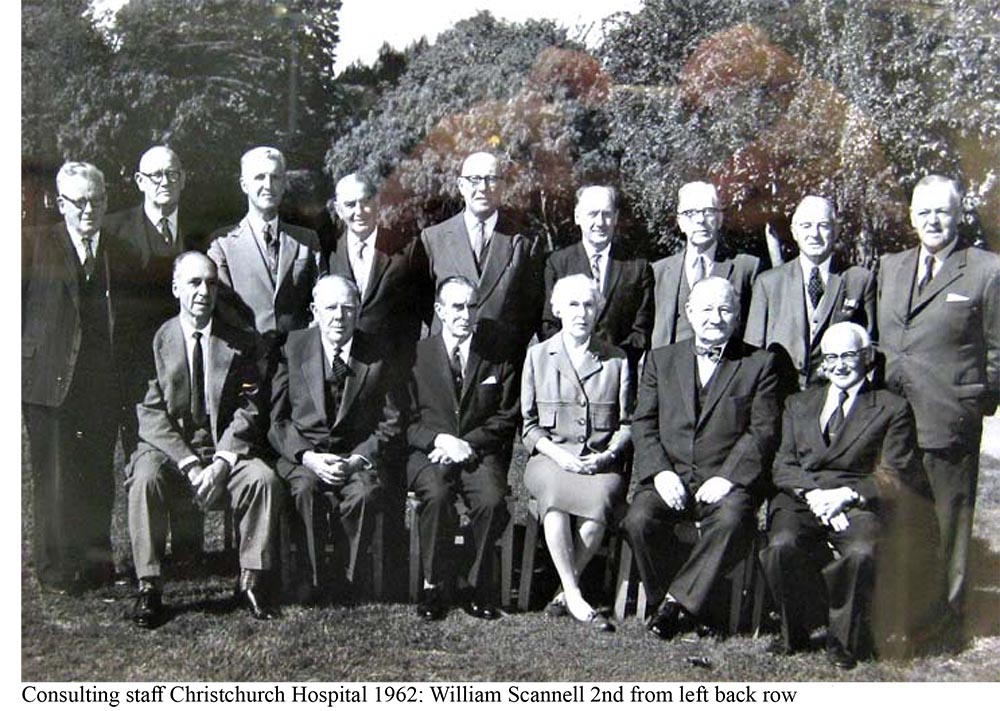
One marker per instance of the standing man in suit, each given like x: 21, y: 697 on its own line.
x: 794, y: 304
x: 483, y: 245
x: 704, y: 429
x: 463, y: 413
x: 333, y: 423
x: 267, y: 267
x: 700, y: 219
x: 939, y: 327
x: 70, y: 388
x: 625, y: 281
x: 197, y: 429
x: 842, y: 448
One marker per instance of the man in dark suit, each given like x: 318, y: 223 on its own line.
x: 463, y: 413
x: 70, y: 387
x: 794, y: 304
x: 626, y: 282
x: 939, y: 327
x: 703, y: 430
x: 482, y: 244
x: 700, y: 219
x: 267, y: 267
x: 332, y: 421
x: 198, y: 429
x: 842, y: 448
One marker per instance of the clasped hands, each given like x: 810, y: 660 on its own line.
x: 449, y: 449
x: 332, y: 469
x: 208, y: 482
x: 671, y: 489
x: 586, y: 464
x: 830, y: 506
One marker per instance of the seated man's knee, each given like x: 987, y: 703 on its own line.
x: 150, y: 471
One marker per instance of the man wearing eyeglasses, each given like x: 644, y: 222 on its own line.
x: 483, y: 244
x: 939, y: 327
x: 843, y: 448
x: 794, y: 304
x: 700, y: 219
x: 69, y: 382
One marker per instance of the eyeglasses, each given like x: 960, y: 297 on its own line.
x: 705, y: 212
x: 848, y: 357
x: 487, y: 180
x: 81, y: 203
x: 171, y: 176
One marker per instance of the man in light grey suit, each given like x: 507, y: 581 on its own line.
x: 267, y: 267
x: 794, y: 304
x: 700, y: 219
x: 483, y: 245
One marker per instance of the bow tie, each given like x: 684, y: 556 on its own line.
x: 713, y: 353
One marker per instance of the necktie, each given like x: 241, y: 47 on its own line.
x: 595, y: 269
x: 89, y: 263
x: 697, y: 270
x: 272, y: 250
x: 836, y: 421
x: 360, y: 273
x: 339, y: 368
x: 928, y: 273
x: 713, y: 353
x: 168, y: 236
x: 197, y: 382
x: 815, y: 287
x: 456, y: 368
x: 478, y: 242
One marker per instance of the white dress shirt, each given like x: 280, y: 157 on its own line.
x: 81, y: 249
x: 833, y: 401
x: 463, y: 348
x: 824, y: 275
x: 361, y: 266
x: 155, y: 218
x: 604, y: 264
x: 471, y: 225
x: 708, y: 261
x: 206, y: 353
x: 329, y: 351
x: 939, y: 259
x: 257, y: 227
x: 706, y: 366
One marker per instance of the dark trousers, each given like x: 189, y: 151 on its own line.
x: 954, y: 475
x: 725, y: 531
x: 800, y: 569
x: 483, y: 488
x: 350, y: 507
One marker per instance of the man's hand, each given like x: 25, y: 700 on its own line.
x: 713, y: 490
x: 212, y: 484
x: 457, y: 450
x: 437, y: 456
x: 827, y: 504
x: 671, y: 489
x: 331, y: 469
x: 597, y: 462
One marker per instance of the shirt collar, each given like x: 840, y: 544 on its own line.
x: 692, y: 254
x: 807, y: 265
x: 471, y: 221
x: 353, y: 240
x: 189, y: 330
x: 344, y: 351
x: 450, y: 341
x: 852, y: 392
x: 941, y: 256
x: 605, y: 252
x: 257, y: 225
x: 155, y: 218
x: 77, y: 240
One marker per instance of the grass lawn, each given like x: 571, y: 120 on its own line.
x: 91, y: 638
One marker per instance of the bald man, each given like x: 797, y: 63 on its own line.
x: 794, y: 304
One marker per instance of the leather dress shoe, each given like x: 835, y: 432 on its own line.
x: 431, y: 606
x: 557, y: 608
x: 482, y: 610
x: 597, y: 622
x: 786, y: 644
x: 670, y: 620
x: 840, y: 657
x: 147, y: 612
x: 255, y: 602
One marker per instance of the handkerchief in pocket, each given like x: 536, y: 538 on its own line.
x: 953, y: 297
x: 492, y: 380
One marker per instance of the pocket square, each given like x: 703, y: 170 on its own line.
x: 492, y: 380
x: 850, y: 304
x: 953, y: 297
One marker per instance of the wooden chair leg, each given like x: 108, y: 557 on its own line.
x: 411, y: 523
x: 527, y: 563
x: 507, y: 564
x: 736, y: 595
x: 622, y: 584
x: 285, y: 554
x: 378, y: 558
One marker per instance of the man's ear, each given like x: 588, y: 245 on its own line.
x: 137, y: 177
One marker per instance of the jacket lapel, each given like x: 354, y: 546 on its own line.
x: 953, y: 268
x: 340, y: 262
x: 249, y: 258
x: 441, y: 370
x: 831, y: 297
x: 69, y: 260
x: 177, y: 378
x: 591, y: 364
x: 725, y: 370
x: 460, y: 249
x: 380, y: 261
x: 812, y: 431
x: 903, y: 285
x: 857, y: 421
x: 287, y: 251
x: 498, y: 258
x: 311, y: 365
x: 614, y: 268
x: 352, y: 386
x: 471, y: 377
x: 667, y: 289
x: 222, y: 359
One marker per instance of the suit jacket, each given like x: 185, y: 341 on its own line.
x: 943, y: 351
x: 510, y: 287
x: 135, y: 230
x: 51, y: 328
x: 367, y: 420
x: 248, y: 288
x: 739, y: 269
x: 874, y: 452
x: 581, y: 411
x: 233, y: 377
x: 398, y: 294
x: 484, y: 415
x: 778, y: 312
x: 626, y: 319
x: 734, y: 432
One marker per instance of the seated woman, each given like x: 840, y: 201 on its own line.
x: 574, y: 398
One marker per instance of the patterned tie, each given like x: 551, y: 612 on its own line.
x: 455, y: 362
x: 197, y: 382
x: 697, y: 270
x: 815, y: 287
x: 272, y: 250
x: 836, y: 421
x: 595, y: 269
x: 89, y: 263
x: 168, y: 235
x: 713, y: 353
x: 478, y: 242
x: 339, y: 368
x: 928, y: 273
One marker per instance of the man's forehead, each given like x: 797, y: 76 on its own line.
x: 456, y: 293
x: 709, y: 297
x: 840, y: 341
x: 82, y: 184
x: 479, y: 164
x: 811, y: 209
x: 196, y: 266
x: 334, y: 293
x: 698, y: 194
x: 935, y: 195
x: 352, y: 190
x: 156, y: 158
x: 595, y: 198
x: 261, y: 164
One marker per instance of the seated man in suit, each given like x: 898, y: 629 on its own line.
x: 842, y: 447
x: 700, y: 219
x: 463, y: 407
x: 197, y: 429
x: 625, y: 281
x: 704, y: 429
x: 794, y: 304
x: 266, y: 266
x: 332, y: 422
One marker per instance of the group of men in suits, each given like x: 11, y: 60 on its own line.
x: 286, y: 374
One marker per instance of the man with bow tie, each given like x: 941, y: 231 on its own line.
x: 704, y: 431
x: 333, y: 424
x: 939, y: 327
x: 843, y: 449
x: 463, y: 405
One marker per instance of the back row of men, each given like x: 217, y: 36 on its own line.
x: 95, y: 291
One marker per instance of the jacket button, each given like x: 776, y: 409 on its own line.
x: 582, y: 401
x: 581, y: 439
x: 581, y: 421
